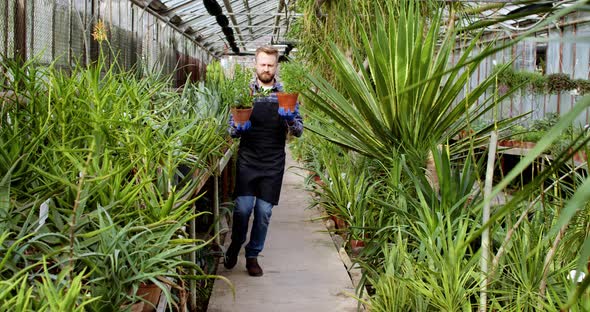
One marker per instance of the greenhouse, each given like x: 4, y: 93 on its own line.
x: 419, y: 155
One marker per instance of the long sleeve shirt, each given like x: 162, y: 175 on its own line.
x: 295, y: 126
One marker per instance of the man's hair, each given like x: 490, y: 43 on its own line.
x: 268, y: 50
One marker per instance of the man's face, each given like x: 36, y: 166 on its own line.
x: 266, y: 67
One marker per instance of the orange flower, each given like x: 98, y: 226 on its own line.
x: 100, y: 31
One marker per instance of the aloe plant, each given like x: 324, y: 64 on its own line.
x: 94, y: 140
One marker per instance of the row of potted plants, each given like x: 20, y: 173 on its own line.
x: 572, y: 140
x: 94, y: 194
x: 539, y: 83
x: 425, y: 247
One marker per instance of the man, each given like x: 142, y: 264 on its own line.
x: 261, y: 161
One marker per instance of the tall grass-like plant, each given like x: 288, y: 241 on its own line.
x: 393, y: 287
x: 346, y: 192
x: 441, y: 229
x: 426, y: 264
x: 517, y: 287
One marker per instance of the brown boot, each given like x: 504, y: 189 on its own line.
x: 253, y: 268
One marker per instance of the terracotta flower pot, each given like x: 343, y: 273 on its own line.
x: 356, y: 243
x: 528, y: 144
x: 241, y: 115
x: 340, y: 223
x: 287, y: 100
x: 580, y: 156
x: 149, y: 292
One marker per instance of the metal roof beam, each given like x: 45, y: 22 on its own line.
x: 166, y: 20
x: 233, y: 20
x: 179, y: 7
x: 247, y: 7
x: 264, y: 14
x: 278, y: 19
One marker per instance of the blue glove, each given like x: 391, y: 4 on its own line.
x: 287, y: 114
x: 242, y: 127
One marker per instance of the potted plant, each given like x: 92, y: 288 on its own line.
x: 239, y: 95
x: 291, y: 74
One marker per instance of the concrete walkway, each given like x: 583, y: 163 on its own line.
x: 302, y: 269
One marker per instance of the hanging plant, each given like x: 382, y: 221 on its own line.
x: 222, y: 20
x: 212, y: 7
x: 227, y: 31
x: 557, y: 83
x: 508, y: 78
x: 583, y: 86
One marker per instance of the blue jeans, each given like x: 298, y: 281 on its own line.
x: 242, y: 212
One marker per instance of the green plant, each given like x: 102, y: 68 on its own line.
x: 528, y: 135
x: 123, y: 256
x: 533, y: 81
x: 237, y: 90
x: 347, y: 191
x: 583, y: 86
x: 291, y: 74
x: 545, y: 123
x: 427, y: 264
x: 96, y: 139
x: 560, y: 82
x: 388, y: 106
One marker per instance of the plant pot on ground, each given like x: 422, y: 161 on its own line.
x: 340, y: 223
x: 150, y: 292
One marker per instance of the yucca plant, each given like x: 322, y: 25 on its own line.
x: 401, y: 100
x: 517, y: 287
x: 352, y: 104
x: 346, y: 191
x: 423, y: 262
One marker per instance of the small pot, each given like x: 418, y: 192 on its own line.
x: 288, y: 101
x: 356, y: 243
x: 580, y: 156
x: 528, y: 144
x: 340, y: 223
x: 149, y: 292
x: 241, y: 115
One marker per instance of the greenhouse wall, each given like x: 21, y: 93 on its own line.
x: 60, y: 31
x: 563, y: 49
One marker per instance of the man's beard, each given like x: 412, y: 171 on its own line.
x: 265, y: 77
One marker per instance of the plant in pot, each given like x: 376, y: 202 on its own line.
x: 291, y: 74
x: 238, y: 95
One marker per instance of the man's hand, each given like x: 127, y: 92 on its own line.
x: 242, y: 127
x: 286, y: 114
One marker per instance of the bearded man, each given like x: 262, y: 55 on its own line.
x: 261, y: 161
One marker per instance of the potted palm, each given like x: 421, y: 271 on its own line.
x: 291, y: 74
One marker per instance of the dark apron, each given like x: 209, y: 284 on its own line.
x: 261, y: 154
